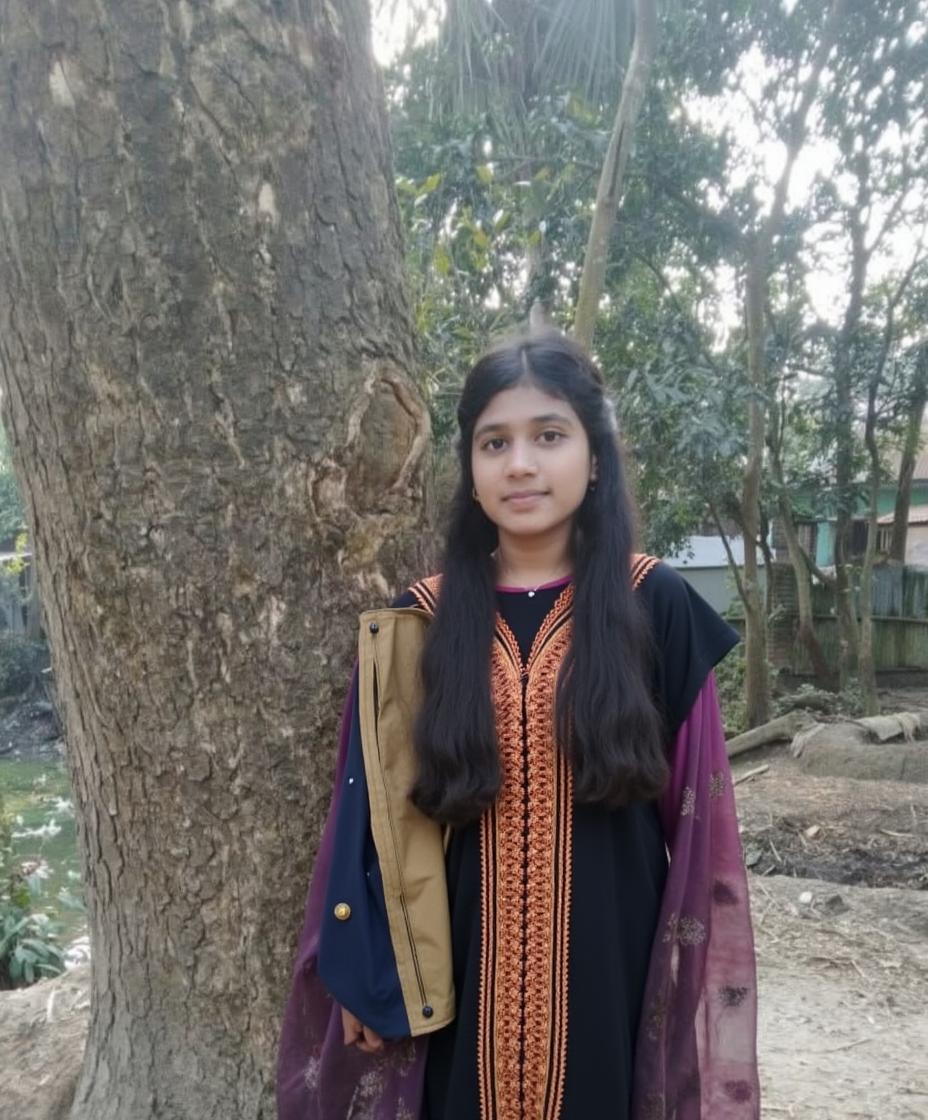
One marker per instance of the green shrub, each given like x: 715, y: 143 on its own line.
x: 6, y: 840
x: 729, y: 677
x: 20, y: 661
x: 28, y: 938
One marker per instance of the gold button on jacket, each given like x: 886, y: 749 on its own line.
x: 342, y: 911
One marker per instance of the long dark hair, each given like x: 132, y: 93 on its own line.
x: 605, y: 715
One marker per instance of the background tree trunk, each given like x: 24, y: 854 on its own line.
x: 593, y: 277
x: 757, y: 279
x: 866, y: 660
x: 205, y: 352
x: 866, y: 665
x: 846, y: 492
x: 798, y: 559
x: 913, y: 434
x: 756, y: 676
x: 824, y: 677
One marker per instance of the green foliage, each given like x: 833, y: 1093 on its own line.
x: 6, y: 839
x: 29, y: 948
x: 499, y: 140
x: 20, y: 661
x: 37, y: 793
x: 729, y: 679
x: 497, y: 204
x: 12, y: 513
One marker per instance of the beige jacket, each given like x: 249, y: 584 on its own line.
x: 410, y: 846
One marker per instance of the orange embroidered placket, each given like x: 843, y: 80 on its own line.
x: 526, y: 872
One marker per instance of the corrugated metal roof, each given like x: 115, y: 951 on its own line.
x: 921, y: 460
x: 918, y: 515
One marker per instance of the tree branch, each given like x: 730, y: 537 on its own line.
x: 732, y: 563
x: 593, y: 276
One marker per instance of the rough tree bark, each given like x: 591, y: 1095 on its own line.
x: 593, y: 278
x: 205, y: 353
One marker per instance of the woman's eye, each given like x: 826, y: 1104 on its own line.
x: 495, y: 443
x: 552, y: 436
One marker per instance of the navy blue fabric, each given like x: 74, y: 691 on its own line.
x: 356, y: 960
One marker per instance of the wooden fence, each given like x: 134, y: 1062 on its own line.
x: 900, y: 620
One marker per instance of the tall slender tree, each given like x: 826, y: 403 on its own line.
x: 611, y: 178
x: 757, y: 688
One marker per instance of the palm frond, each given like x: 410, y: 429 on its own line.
x: 495, y: 55
x: 586, y: 45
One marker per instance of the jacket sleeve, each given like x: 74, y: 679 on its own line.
x: 356, y: 960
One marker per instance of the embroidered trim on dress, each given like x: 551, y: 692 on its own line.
x: 526, y: 874
x: 526, y: 862
x: 642, y: 564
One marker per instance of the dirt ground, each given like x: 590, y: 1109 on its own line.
x: 840, y: 871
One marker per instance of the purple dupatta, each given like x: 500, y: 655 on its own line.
x: 696, y: 1053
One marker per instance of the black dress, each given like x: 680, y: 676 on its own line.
x: 619, y: 867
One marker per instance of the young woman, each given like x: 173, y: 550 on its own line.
x: 530, y: 902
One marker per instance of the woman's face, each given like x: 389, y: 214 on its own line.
x: 531, y: 461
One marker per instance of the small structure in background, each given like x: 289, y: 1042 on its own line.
x: 703, y: 562
x: 816, y: 535
x: 916, y: 541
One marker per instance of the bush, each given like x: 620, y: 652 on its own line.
x: 20, y: 661
x: 28, y: 938
x: 729, y: 677
x: 6, y: 839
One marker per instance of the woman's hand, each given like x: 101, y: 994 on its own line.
x: 356, y: 1033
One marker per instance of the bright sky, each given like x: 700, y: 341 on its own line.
x: 392, y: 21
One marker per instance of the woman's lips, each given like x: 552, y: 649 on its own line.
x: 525, y: 500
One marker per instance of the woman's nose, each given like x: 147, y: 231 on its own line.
x: 521, y: 458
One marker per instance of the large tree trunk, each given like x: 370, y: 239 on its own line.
x: 913, y: 433
x: 205, y: 351
x: 593, y: 278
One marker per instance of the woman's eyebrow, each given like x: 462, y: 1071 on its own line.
x: 545, y: 418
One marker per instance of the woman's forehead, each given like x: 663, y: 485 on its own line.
x: 524, y: 403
